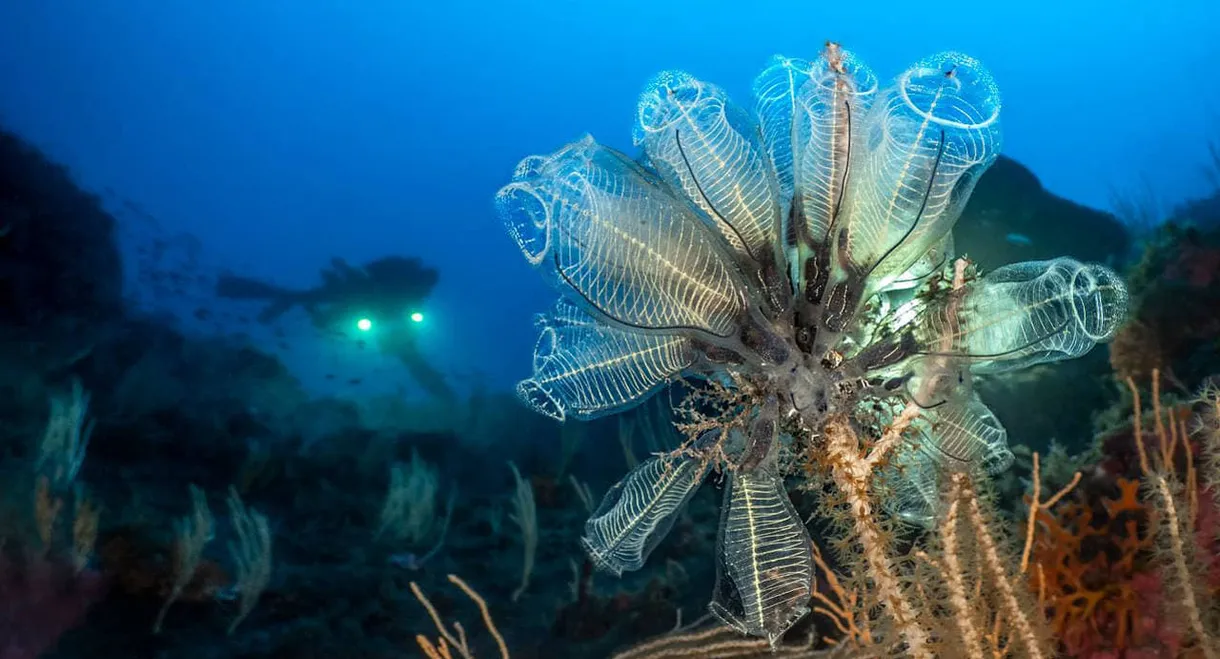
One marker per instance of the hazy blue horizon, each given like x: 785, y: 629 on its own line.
x: 282, y: 133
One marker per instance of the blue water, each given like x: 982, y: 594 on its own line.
x: 281, y: 133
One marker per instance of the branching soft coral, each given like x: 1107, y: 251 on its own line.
x: 1091, y: 572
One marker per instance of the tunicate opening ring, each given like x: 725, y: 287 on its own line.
x: 1094, y: 289
x: 527, y: 217
x: 670, y: 97
x: 970, y: 84
x: 862, y: 79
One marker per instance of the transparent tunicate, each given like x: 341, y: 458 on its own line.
x: 615, y: 236
x: 962, y: 436
x: 708, y: 147
x: 923, y: 145
x: 808, y: 112
x: 585, y: 369
x: 797, y: 260
x: 637, y: 513
x: 1027, y: 313
x: 765, y: 570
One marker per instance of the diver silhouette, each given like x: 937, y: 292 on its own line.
x: 384, y: 299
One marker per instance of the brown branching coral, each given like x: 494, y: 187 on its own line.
x: 841, y: 606
x: 1087, y: 563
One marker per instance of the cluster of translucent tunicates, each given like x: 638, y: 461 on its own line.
x: 802, y: 245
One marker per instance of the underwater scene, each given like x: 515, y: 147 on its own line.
x: 635, y: 330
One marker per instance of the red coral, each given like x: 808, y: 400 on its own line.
x: 40, y: 599
x: 1198, y: 265
x: 1207, y: 530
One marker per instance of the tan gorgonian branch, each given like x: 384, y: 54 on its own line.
x: 251, y: 553
x: 1035, y: 505
x: 840, y: 606
x: 852, y: 478
x: 46, y: 512
x: 954, y: 581
x: 440, y: 648
x: 1021, y: 624
x: 192, y: 534
x: 1176, y: 530
x: 84, y: 529
x: 721, y: 642
x: 891, y: 437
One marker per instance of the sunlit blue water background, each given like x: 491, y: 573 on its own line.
x: 266, y: 137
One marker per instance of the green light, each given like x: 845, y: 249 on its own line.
x: 417, y: 317
x: 364, y: 324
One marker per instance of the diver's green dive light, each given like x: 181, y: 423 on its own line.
x: 417, y: 317
x: 364, y: 324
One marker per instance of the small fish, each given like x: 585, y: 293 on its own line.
x: 1019, y: 239
x: 407, y: 561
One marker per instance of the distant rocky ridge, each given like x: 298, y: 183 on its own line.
x: 1011, y: 217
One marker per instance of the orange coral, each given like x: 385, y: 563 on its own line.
x: 1089, y: 559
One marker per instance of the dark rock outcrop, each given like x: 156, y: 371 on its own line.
x: 1011, y: 217
x: 58, y: 255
